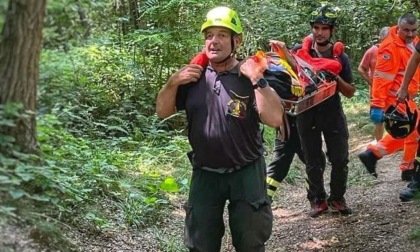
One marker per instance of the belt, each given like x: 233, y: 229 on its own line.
x: 221, y: 170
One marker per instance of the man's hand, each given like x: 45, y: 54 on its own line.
x: 254, y: 69
x: 402, y: 94
x: 279, y: 46
x: 376, y: 115
x: 187, y: 74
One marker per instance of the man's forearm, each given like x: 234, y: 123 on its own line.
x: 165, y: 102
x: 411, y: 69
x: 365, y: 75
x: 269, y: 107
x: 345, y: 88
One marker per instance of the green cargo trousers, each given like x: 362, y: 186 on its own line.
x: 250, y: 216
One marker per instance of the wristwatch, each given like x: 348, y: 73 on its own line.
x: 261, y: 83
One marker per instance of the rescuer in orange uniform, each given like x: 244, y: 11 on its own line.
x: 393, y: 55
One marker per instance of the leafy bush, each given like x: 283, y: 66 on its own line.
x: 95, y: 170
x: 76, y: 176
x: 96, y: 92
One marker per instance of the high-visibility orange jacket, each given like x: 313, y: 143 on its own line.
x: 392, y: 60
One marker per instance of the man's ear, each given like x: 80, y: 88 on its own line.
x: 237, y: 40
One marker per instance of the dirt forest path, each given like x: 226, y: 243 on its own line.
x: 380, y: 222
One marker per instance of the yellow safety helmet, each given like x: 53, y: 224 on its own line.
x: 223, y: 17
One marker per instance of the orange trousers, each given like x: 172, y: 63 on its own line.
x: 388, y: 145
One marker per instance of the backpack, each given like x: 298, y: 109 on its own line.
x: 282, y: 78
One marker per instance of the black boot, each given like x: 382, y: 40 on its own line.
x: 408, y: 175
x: 369, y: 160
x: 413, y: 188
x: 410, y: 192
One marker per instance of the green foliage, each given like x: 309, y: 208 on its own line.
x: 17, y: 170
x: 169, y: 185
x: 69, y: 22
x: 61, y: 26
x: 94, y: 170
x: 97, y: 92
x: 3, y: 8
x: 366, y: 18
x: 75, y: 174
x: 415, y: 234
x: 106, y: 158
x: 169, y: 37
x: 267, y: 20
x: 8, y: 114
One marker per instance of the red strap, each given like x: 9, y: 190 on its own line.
x: 332, y: 65
x: 200, y: 59
x: 338, y: 49
x: 307, y: 42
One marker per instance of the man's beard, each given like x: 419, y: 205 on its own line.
x: 326, y: 42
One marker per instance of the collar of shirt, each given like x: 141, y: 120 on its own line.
x: 233, y: 70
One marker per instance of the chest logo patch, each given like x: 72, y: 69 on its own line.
x: 386, y: 57
x: 237, y: 107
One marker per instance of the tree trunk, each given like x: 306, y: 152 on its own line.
x: 123, y: 13
x: 120, y: 9
x: 84, y: 21
x: 134, y: 15
x: 20, y: 48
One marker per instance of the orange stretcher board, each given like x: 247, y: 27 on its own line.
x: 325, y: 91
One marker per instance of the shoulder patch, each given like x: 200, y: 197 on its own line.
x: 386, y: 56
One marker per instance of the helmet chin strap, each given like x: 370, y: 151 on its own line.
x: 326, y: 42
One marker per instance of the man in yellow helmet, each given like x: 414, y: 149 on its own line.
x: 225, y: 102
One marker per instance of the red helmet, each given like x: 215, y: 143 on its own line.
x: 399, y: 120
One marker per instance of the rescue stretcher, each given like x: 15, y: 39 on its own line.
x: 321, y: 81
x: 323, y: 92
x: 316, y: 76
